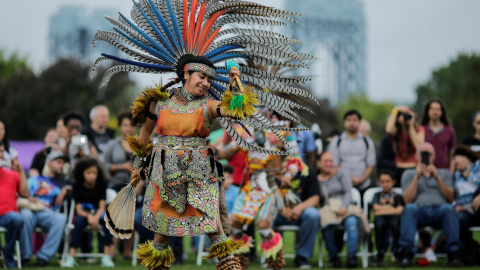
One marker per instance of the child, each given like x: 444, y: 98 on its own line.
x: 388, y: 207
x: 89, y: 193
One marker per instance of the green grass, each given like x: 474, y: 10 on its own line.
x: 190, y: 262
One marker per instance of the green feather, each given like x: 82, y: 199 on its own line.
x: 236, y: 102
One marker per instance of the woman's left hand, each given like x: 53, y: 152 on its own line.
x: 342, y: 211
x: 476, y: 203
x: 234, y: 72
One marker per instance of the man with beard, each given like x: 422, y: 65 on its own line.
x: 46, y: 195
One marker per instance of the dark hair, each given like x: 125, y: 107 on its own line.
x: 83, y: 165
x: 426, y: 108
x: 72, y: 115
x: 190, y: 58
x: 352, y: 112
x: 475, y: 115
x: 466, y: 151
x: 228, y: 169
x: 5, y: 141
x: 320, y: 157
x: 410, y: 145
x: 125, y: 114
x: 1, y: 143
x: 389, y: 173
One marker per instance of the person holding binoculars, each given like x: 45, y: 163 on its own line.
x: 406, y: 137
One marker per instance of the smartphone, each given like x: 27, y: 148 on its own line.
x: 79, y: 140
x: 425, y: 157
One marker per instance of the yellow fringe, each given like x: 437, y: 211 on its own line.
x: 247, y: 109
x: 152, y: 258
x: 223, y: 249
x: 245, y: 248
x: 274, y: 251
x: 155, y: 93
x: 139, y: 150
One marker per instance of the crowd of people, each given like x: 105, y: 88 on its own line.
x: 309, y: 187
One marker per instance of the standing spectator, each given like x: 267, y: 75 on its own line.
x: 74, y: 121
x: 49, y: 191
x: 89, y: 193
x: 11, y: 183
x: 305, y: 214
x: 466, y: 179
x: 386, y: 155
x: 38, y: 161
x: 306, y: 145
x: 365, y: 128
x: 97, y: 132
x: 10, y: 152
x: 387, y: 207
x: 336, y: 186
x: 428, y: 194
x: 406, y: 137
x: 118, y: 155
x: 353, y: 152
x: 474, y: 141
x: 119, y: 161
x: 439, y: 133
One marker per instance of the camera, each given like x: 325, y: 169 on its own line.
x: 79, y: 140
x: 407, y: 116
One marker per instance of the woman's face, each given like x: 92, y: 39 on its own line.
x: 325, y: 163
x: 197, y: 83
x: 127, y: 127
x: 2, y: 131
x: 61, y: 129
x: 90, y: 175
x: 461, y: 162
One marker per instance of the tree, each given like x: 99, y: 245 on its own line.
x: 31, y: 104
x: 374, y: 112
x: 458, y: 85
x: 12, y: 64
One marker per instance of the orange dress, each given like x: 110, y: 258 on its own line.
x: 182, y: 197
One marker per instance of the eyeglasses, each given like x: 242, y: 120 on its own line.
x: 477, y: 122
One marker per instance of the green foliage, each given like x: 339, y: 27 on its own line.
x: 458, y: 86
x: 374, y: 112
x: 11, y: 64
x: 30, y: 104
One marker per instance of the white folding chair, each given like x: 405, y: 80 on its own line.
x: 18, y: 257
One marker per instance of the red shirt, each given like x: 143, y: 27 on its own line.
x: 406, y: 151
x: 443, y: 142
x: 9, y: 186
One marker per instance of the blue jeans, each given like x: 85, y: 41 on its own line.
x: 13, y: 221
x: 104, y: 237
x: 351, y: 226
x: 309, y: 222
x: 53, y: 222
x: 442, y: 217
x: 145, y: 234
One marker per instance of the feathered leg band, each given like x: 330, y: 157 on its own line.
x: 155, y: 256
x: 223, y: 249
x: 273, y: 251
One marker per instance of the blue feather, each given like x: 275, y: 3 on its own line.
x: 213, y: 94
x: 221, y: 71
x: 139, y: 64
x: 176, y: 27
x: 227, y: 56
x: 223, y: 49
x: 222, y: 79
x: 245, y: 128
x: 159, y: 34
x: 164, y: 25
x: 150, y: 50
x: 147, y: 37
x: 218, y: 86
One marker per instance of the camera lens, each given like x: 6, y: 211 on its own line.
x: 407, y: 116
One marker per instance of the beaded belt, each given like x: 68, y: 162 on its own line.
x: 189, y: 143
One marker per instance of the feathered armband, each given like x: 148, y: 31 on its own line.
x: 238, y: 105
x: 141, y: 104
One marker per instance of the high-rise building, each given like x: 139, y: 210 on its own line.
x: 72, y: 29
x: 333, y: 31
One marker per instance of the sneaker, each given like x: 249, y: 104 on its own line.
x: 69, y: 262
x: 406, y: 258
x: 107, y: 261
x: 454, y: 259
x: 10, y: 263
x: 41, y: 262
x: 336, y: 262
x: 25, y: 262
x: 302, y: 262
x: 352, y: 262
x: 380, y: 259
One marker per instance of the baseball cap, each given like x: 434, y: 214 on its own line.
x: 55, y: 154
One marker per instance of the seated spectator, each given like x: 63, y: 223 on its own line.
x: 406, y: 137
x: 98, y: 133
x: 11, y: 183
x: 428, y: 194
x: 474, y: 141
x: 77, y: 149
x: 89, y: 193
x: 38, y: 161
x: 231, y: 191
x: 335, y: 187
x: 387, y: 207
x: 62, y: 132
x: 466, y: 179
x: 10, y: 152
x: 304, y: 214
x: 48, y: 192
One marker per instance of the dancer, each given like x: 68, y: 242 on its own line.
x: 184, y: 182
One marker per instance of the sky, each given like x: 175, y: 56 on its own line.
x: 406, y: 39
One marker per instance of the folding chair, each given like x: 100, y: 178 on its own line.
x: 18, y: 257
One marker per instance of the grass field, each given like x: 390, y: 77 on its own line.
x: 190, y: 262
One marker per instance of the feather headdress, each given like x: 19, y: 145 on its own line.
x: 160, y: 32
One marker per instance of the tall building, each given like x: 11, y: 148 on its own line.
x: 72, y: 29
x: 333, y: 31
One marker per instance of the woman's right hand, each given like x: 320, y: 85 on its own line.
x: 135, y: 173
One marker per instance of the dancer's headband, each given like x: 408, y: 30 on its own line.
x: 209, y: 71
